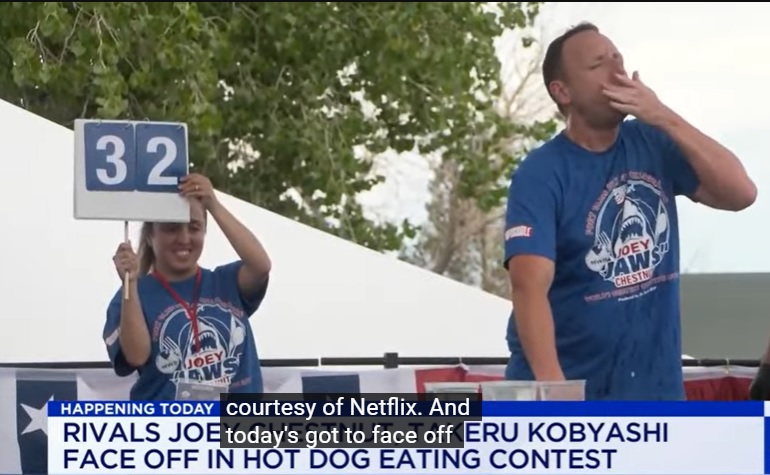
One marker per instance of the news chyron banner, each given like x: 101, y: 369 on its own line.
x: 405, y: 434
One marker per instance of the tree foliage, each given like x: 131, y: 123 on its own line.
x: 272, y: 91
x: 463, y: 236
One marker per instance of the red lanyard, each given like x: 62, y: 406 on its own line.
x: 192, y: 308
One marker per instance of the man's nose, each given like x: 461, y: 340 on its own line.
x: 614, y: 71
x: 618, y: 68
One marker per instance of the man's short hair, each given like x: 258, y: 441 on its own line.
x: 554, y: 56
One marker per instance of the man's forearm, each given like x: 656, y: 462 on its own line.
x: 759, y: 390
x: 534, y: 325
x: 720, y: 172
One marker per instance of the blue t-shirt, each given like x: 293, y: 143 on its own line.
x: 609, y: 222
x: 227, y: 350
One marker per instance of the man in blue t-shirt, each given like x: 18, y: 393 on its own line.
x: 592, y: 238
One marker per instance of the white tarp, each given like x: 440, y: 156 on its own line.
x: 327, y: 297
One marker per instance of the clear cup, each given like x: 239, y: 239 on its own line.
x: 509, y: 390
x: 454, y: 391
x: 574, y: 390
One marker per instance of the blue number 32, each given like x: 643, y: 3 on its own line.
x: 128, y: 156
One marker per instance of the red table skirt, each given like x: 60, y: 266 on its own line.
x: 701, y: 384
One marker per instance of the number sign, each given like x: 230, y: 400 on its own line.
x: 129, y: 171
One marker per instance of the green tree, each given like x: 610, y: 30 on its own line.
x: 272, y: 91
x: 463, y: 236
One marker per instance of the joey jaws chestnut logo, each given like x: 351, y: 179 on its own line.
x: 220, y: 344
x: 630, y: 227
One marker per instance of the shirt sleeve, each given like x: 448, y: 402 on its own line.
x: 227, y: 275
x: 531, y: 214
x: 111, y: 336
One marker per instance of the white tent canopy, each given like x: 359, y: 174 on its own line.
x: 327, y: 296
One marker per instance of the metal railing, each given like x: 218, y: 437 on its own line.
x: 387, y: 361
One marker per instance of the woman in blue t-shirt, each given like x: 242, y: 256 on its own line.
x: 182, y: 327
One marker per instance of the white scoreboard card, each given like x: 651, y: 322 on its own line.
x: 129, y: 171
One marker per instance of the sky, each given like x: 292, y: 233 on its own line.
x: 705, y: 61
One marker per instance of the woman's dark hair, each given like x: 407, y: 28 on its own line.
x: 146, y: 254
x: 552, y: 63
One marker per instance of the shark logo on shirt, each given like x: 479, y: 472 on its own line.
x: 630, y: 234
x: 219, y: 343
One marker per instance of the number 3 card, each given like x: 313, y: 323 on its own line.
x: 129, y: 171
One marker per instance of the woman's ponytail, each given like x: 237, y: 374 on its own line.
x: 146, y: 254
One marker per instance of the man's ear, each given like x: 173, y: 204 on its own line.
x: 560, y: 93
